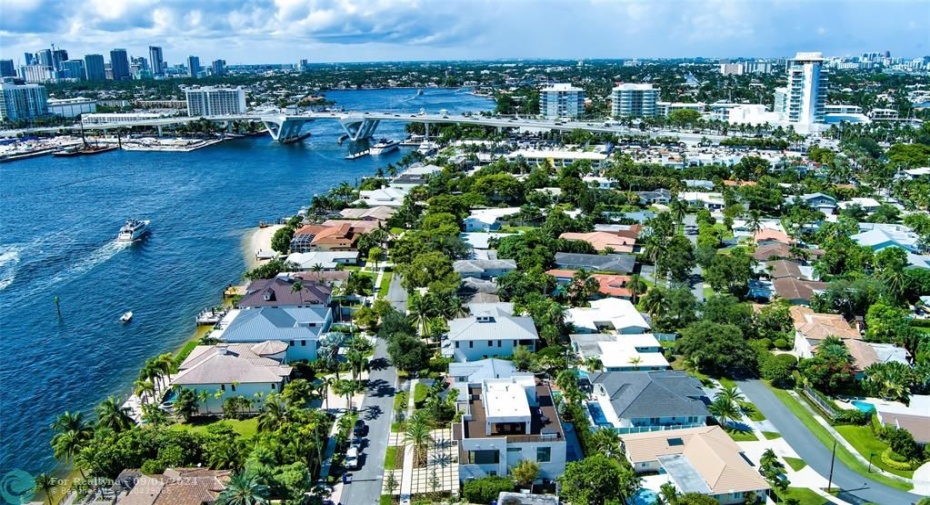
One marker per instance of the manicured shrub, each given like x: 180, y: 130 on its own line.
x: 788, y: 360
x: 851, y: 416
x: 487, y: 489
x: 420, y: 392
x: 781, y: 343
x: 889, y: 461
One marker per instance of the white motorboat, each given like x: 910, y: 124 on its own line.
x: 427, y: 148
x: 125, y: 318
x: 384, y: 146
x: 132, y: 230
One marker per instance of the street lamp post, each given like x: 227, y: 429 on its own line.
x: 832, y: 460
x: 871, y: 454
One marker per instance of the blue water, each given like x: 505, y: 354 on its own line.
x: 58, y: 221
x: 644, y: 497
x: 597, y: 414
x: 863, y: 406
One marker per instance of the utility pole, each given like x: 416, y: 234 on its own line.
x: 832, y: 461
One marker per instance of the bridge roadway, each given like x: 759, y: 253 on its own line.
x: 355, y: 124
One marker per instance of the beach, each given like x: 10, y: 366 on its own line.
x: 258, y: 240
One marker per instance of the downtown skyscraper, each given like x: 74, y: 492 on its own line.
x: 157, y: 60
x: 119, y: 65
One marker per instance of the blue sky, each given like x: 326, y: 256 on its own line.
x: 256, y: 31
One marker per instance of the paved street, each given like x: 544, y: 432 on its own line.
x: 376, y: 410
x: 396, y: 294
x: 697, y: 279
x: 816, y: 455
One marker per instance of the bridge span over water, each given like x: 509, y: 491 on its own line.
x: 358, y: 126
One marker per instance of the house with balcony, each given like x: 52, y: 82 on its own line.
x: 285, y: 291
x: 299, y: 327
x: 490, y: 330
x: 621, y: 353
x: 505, y: 421
x: 635, y: 402
x: 610, y: 315
x: 703, y: 460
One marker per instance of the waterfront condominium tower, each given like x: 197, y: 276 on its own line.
x: 634, y: 100
x: 214, y: 101
x: 7, y: 69
x: 94, y: 67
x: 22, y: 101
x: 807, y: 89
x: 157, y: 59
x: 119, y: 64
x: 193, y: 66
x: 561, y: 100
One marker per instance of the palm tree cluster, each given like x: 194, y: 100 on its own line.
x: 897, y: 381
x: 153, y: 378
x: 429, y: 312
x: 582, y: 287
x: 727, y: 405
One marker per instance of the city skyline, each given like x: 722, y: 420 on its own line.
x: 366, y: 30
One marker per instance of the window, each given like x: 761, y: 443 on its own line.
x: 456, y: 345
x: 303, y: 343
x: 272, y: 387
x: 484, y: 457
x: 471, y: 344
x: 234, y: 388
x: 543, y: 454
x: 490, y: 343
x: 223, y: 387
x: 499, y: 344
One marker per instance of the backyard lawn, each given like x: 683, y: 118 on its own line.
x: 246, y: 428
x: 862, y: 438
x: 385, y: 284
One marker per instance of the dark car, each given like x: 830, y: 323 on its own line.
x: 361, y: 429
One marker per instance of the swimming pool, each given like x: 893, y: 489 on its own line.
x: 597, y: 414
x: 863, y: 406
x: 644, y: 497
x: 169, y: 396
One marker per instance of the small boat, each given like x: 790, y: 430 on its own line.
x: 125, y: 318
x: 427, y: 148
x: 360, y: 154
x: 84, y: 151
x: 419, y: 92
x: 132, y: 230
x: 384, y: 146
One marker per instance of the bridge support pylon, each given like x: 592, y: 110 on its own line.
x: 359, y: 127
x: 285, y: 129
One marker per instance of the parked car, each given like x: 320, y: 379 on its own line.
x: 351, y: 461
x: 361, y: 429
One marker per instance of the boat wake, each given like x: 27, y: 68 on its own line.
x: 9, y: 263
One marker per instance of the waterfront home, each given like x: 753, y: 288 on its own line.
x: 285, y: 291
x: 811, y: 328
x: 913, y: 417
x: 490, y: 330
x: 505, y: 421
x: 604, y: 241
x: 611, y: 315
x: 614, y: 263
x: 621, y: 353
x: 416, y: 175
x: 333, y: 235
x: 635, y: 402
x: 174, y: 486
x: 383, y: 197
x: 226, y: 370
x: 878, y: 236
x: 488, y: 219
x: 380, y: 213
x: 702, y: 460
x: 483, y: 269
x: 299, y: 327
x: 329, y: 260
x: 559, y: 158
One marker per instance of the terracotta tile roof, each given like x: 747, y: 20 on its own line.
x: 816, y: 326
x: 738, y: 183
x: 791, y: 288
x: 357, y: 226
x: 601, y: 240
x: 768, y: 234
x: 182, y: 486
x: 561, y: 273
x: 310, y: 229
x: 766, y: 251
x: 613, y: 285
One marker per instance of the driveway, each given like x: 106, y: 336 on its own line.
x: 377, y: 408
x: 697, y: 275
x: 396, y: 294
x: 816, y: 455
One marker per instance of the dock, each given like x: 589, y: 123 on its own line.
x: 360, y: 154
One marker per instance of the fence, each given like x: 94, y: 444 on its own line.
x: 824, y: 406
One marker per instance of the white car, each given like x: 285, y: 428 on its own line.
x: 351, y: 461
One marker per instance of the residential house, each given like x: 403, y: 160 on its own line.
x: 329, y: 260
x: 811, y: 328
x: 615, y: 263
x: 879, y: 236
x: 616, y: 286
x: 303, y: 237
x: 604, y: 241
x: 480, y: 243
x: 780, y: 250
x: 478, y: 290
x: 698, y: 184
x: 227, y: 370
x: 770, y: 235
x: 659, y: 196
x: 797, y: 291
x: 484, y: 269
x: 636, y: 402
x: 491, y: 329
x: 817, y: 201
x: 866, y: 354
x: 505, y: 421
x: 380, y: 213
x: 599, y: 182
x: 709, y: 201
x: 703, y: 460
x: 608, y: 314
x: 488, y: 219
x: 560, y: 158
x: 474, y: 372
x: 914, y: 417
x: 621, y: 353
x: 383, y: 197
x: 175, y: 486
x: 414, y: 176
x: 299, y: 327
x: 505, y: 498
x: 869, y: 205
x: 285, y: 291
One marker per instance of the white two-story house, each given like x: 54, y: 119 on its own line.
x: 491, y: 330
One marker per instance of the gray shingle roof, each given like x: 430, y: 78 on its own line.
x: 636, y: 395
x: 619, y: 263
x: 276, y: 323
x: 476, y: 266
x: 278, y: 292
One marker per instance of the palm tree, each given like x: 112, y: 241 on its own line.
x: 669, y: 493
x: 357, y: 360
x: 654, y: 303
x: 45, y: 484
x: 318, y: 268
x: 185, y: 404
x: 244, y: 490
x: 325, y: 384
x: 755, y: 221
x: 420, y: 311
x: 272, y: 417
x: 724, y: 410
x: 144, y: 389
x: 637, y: 286
x: 417, y: 434
x: 731, y: 394
x: 346, y: 388
x: 112, y: 415
x: 679, y: 210
x: 67, y: 445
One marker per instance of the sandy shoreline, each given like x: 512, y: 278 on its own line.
x: 258, y: 240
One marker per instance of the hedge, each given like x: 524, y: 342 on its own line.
x: 887, y: 459
x: 420, y: 392
x: 851, y: 416
x: 486, y: 489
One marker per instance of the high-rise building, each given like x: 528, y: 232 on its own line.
x: 59, y: 56
x: 193, y: 66
x: 29, y: 59
x: 634, y: 100
x: 44, y: 58
x: 157, y: 59
x: 7, y: 69
x: 302, y: 65
x: 731, y: 69
x: 214, y: 101
x: 94, y: 67
x: 807, y: 88
x: 39, y: 74
x: 561, y: 100
x: 22, y: 101
x: 119, y: 65
x: 73, y: 69
x: 140, y: 62
x: 218, y: 67
x: 781, y: 101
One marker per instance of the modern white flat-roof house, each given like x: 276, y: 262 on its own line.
x: 607, y: 314
x: 488, y: 219
x: 384, y: 197
x: 701, y: 460
x: 505, y: 421
x: 227, y: 370
x: 328, y: 259
x: 621, y: 353
x: 560, y: 158
x: 490, y: 330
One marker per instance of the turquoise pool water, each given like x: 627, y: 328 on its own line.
x: 863, y: 406
x: 597, y: 414
x: 644, y: 497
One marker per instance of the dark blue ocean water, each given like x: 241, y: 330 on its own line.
x: 58, y: 221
